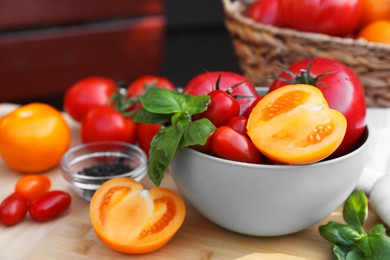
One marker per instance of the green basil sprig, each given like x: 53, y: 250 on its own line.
x: 173, y: 109
x: 350, y: 241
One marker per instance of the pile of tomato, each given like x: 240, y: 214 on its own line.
x: 368, y: 19
x: 32, y: 196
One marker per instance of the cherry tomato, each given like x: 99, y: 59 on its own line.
x: 342, y: 90
x: 129, y: 219
x: 107, y: 124
x: 33, y: 186
x: 377, y: 31
x: 145, y: 135
x: 249, y: 109
x: 88, y: 93
x: 222, y: 107
x: 141, y: 84
x: 332, y: 17
x: 232, y: 145
x: 294, y: 125
x: 264, y: 11
x: 50, y: 205
x: 242, y: 89
x: 238, y: 123
x: 33, y: 138
x: 13, y: 209
x: 374, y: 10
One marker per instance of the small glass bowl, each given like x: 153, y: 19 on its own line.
x: 77, y: 160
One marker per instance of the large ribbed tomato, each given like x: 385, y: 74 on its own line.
x: 342, y: 89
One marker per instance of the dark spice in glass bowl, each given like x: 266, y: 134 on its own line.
x: 106, y: 169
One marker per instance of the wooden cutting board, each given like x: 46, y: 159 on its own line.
x: 72, y: 237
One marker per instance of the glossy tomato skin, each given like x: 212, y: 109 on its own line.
x: 264, y: 11
x: 50, y: 205
x: 13, y: 209
x: 107, y: 124
x: 141, y: 84
x: 33, y: 186
x: 86, y: 94
x: 204, y: 83
x: 232, y: 145
x: 222, y: 107
x: 145, y: 135
x: 342, y: 90
x: 332, y: 17
x: 238, y: 123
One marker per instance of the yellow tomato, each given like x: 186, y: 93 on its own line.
x: 374, y: 10
x: 377, y: 31
x: 33, y: 138
x: 294, y: 125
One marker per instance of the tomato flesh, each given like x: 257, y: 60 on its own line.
x: 293, y: 125
x: 132, y: 220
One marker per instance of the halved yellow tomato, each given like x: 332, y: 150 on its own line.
x: 294, y: 125
x: 129, y: 219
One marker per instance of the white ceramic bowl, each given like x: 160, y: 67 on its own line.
x: 266, y: 200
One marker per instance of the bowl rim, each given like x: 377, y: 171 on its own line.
x: 363, y: 142
x: 136, y: 171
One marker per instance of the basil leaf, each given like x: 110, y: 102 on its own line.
x: 340, y: 234
x: 378, y: 229
x: 380, y: 246
x: 197, y: 104
x: 162, y: 149
x: 355, y: 255
x: 146, y: 117
x: 355, y: 210
x: 339, y: 252
x: 164, y: 101
x: 197, y: 133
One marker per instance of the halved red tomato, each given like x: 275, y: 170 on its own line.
x: 132, y: 220
x: 294, y: 125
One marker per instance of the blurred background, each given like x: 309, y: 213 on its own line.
x: 45, y: 45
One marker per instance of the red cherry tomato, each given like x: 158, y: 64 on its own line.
x: 264, y: 11
x: 33, y: 186
x: 13, y: 209
x: 248, y: 111
x: 342, y: 90
x: 222, y: 107
x: 88, y: 93
x: 238, y: 123
x: 50, y: 205
x: 332, y: 17
x: 140, y: 85
x: 230, y: 144
x: 145, y: 134
x: 244, y: 92
x: 107, y: 124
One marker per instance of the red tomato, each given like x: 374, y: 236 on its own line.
x: 238, y: 123
x: 264, y: 11
x: 50, y: 205
x: 33, y: 186
x: 145, y: 134
x: 332, y: 17
x: 88, y: 93
x: 248, y: 111
x: 230, y: 144
x: 204, y: 83
x: 13, y: 209
x: 107, y: 124
x: 140, y: 85
x: 342, y: 90
x: 222, y: 107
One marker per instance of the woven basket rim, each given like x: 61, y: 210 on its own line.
x: 233, y: 9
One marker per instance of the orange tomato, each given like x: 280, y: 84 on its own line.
x: 33, y: 138
x: 294, y: 125
x: 374, y: 10
x: 33, y: 186
x: 132, y: 220
x: 377, y: 31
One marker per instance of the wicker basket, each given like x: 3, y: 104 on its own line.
x: 260, y: 48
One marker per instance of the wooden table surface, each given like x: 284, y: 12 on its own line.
x: 72, y: 237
